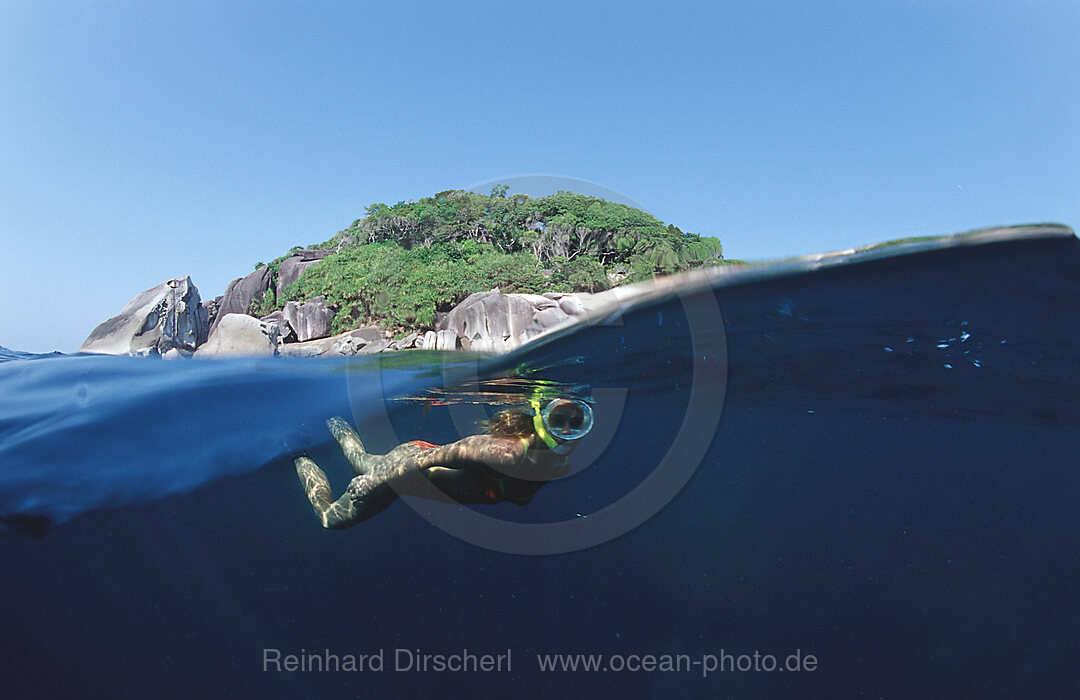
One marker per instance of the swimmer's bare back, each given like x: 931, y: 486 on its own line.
x: 379, y: 478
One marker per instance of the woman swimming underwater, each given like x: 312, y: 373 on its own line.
x: 521, y: 452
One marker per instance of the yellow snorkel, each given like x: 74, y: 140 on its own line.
x: 538, y: 426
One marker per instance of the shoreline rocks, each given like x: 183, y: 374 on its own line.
x: 310, y: 320
x: 361, y: 341
x: 240, y: 293
x: 170, y: 320
x: 240, y: 335
x: 496, y: 322
x: 166, y: 317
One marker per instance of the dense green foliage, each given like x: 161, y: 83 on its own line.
x: 400, y: 265
x: 563, y: 225
x: 396, y: 287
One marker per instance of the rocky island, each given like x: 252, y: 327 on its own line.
x: 457, y: 270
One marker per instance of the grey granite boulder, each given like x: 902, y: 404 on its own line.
x: 292, y: 267
x: 362, y: 341
x: 211, y: 306
x: 446, y: 339
x: 240, y: 293
x: 240, y: 335
x: 497, y: 322
x: 349, y: 346
x: 405, y: 343
x: 311, y: 319
x: 167, y: 316
x: 286, y: 333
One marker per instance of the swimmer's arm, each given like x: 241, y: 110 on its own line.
x: 449, y: 467
x: 468, y: 453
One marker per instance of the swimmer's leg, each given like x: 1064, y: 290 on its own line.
x: 334, y: 515
x: 350, y: 445
x: 346, y: 511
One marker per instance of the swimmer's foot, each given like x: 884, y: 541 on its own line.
x: 360, y: 487
x: 350, y: 444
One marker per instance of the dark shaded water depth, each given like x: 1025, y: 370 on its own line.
x: 890, y: 486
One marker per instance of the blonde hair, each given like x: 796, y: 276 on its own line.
x: 510, y: 422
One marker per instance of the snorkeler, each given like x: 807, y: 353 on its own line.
x: 521, y: 451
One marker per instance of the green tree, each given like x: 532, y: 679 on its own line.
x: 400, y: 265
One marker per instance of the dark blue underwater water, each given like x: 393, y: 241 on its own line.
x: 874, y: 464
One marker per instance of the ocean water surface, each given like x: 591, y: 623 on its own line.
x: 868, y: 460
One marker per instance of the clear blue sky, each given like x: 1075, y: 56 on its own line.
x: 141, y: 140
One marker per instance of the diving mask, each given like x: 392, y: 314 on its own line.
x: 562, y: 420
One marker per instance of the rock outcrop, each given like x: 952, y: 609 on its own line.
x: 240, y: 293
x: 211, y: 306
x: 497, y: 322
x: 311, y: 319
x: 292, y: 267
x: 362, y: 341
x: 409, y: 341
x: 240, y: 335
x: 168, y: 316
x: 286, y: 333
